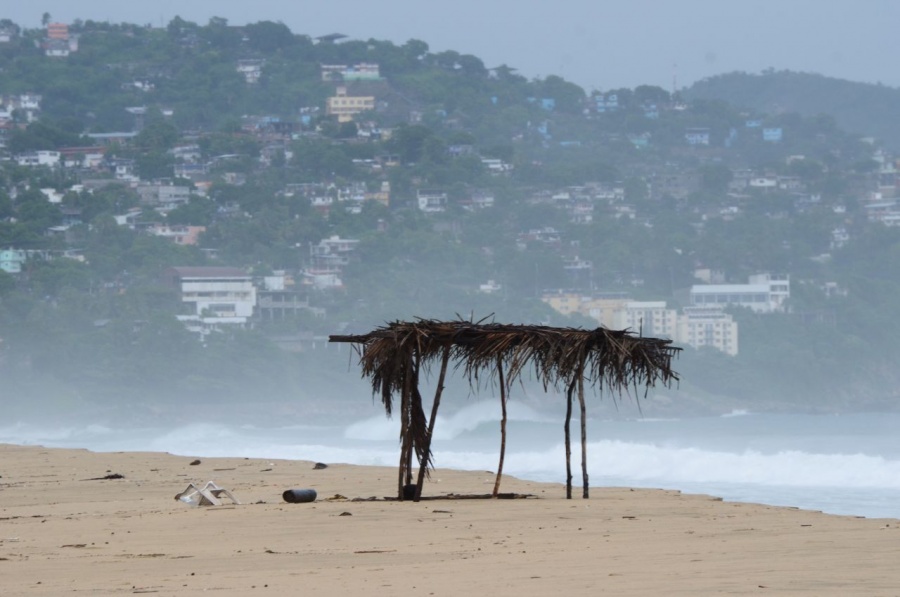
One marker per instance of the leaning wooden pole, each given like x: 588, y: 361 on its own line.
x: 568, y: 425
x: 423, y: 466
x: 502, y: 426
x: 584, y: 470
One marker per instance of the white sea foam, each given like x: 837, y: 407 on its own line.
x: 806, y: 461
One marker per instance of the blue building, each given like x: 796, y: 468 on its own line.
x: 772, y: 135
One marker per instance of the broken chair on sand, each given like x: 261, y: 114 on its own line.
x: 208, y: 495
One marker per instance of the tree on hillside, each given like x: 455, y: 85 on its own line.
x: 568, y: 97
x: 410, y: 141
x: 268, y: 37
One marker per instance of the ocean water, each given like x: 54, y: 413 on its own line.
x: 841, y: 464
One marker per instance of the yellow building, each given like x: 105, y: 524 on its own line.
x: 603, y: 308
x: 345, y: 107
x: 563, y: 302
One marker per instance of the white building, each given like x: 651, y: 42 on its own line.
x: 708, y: 326
x: 164, y: 195
x: 496, y: 166
x: 335, y: 249
x: 648, y: 318
x: 764, y: 293
x: 177, y: 233
x: 490, y: 288
x: 39, y: 158
x: 763, y: 182
x: 214, y: 296
x: 251, y: 69
x: 432, y: 201
x: 321, y: 278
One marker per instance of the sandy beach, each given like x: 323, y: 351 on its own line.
x: 66, y: 530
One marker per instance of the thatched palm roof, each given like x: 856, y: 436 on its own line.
x: 393, y: 356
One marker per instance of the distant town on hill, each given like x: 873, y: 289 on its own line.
x: 187, y: 212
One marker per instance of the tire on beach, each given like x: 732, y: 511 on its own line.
x: 299, y: 496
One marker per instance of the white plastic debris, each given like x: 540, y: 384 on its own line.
x: 208, y: 495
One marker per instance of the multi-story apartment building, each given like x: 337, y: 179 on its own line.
x: 648, y: 318
x: 708, y: 326
x: 213, y: 296
x: 345, y: 107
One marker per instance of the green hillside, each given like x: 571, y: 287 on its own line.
x: 871, y: 110
x: 538, y: 187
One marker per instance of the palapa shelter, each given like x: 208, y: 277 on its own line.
x: 394, y: 357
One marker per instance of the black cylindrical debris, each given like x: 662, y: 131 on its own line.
x: 299, y: 496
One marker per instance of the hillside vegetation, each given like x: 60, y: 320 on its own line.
x: 532, y: 179
x: 867, y: 109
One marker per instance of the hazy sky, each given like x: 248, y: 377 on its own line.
x: 598, y: 44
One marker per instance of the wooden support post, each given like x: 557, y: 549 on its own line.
x: 584, y: 471
x: 502, y: 426
x: 405, y: 439
x: 568, y: 424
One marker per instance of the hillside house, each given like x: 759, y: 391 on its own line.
x: 772, y: 134
x: 213, y: 296
x: 697, y: 136
x: 117, y: 138
x: 8, y: 33
x: 606, y: 102
x: 83, y: 157
x: 477, y: 200
x: 34, y: 159
x: 431, y: 201
x: 56, y: 48
x: 251, y: 70
x: 12, y: 260
x: 364, y: 71
x: 57, y: 31
x: 178, y: 234
x: 163, y: 196
x: 334, y: 250
x: 26, y: 104
x: 547, y: 236
x: 496, y: 166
